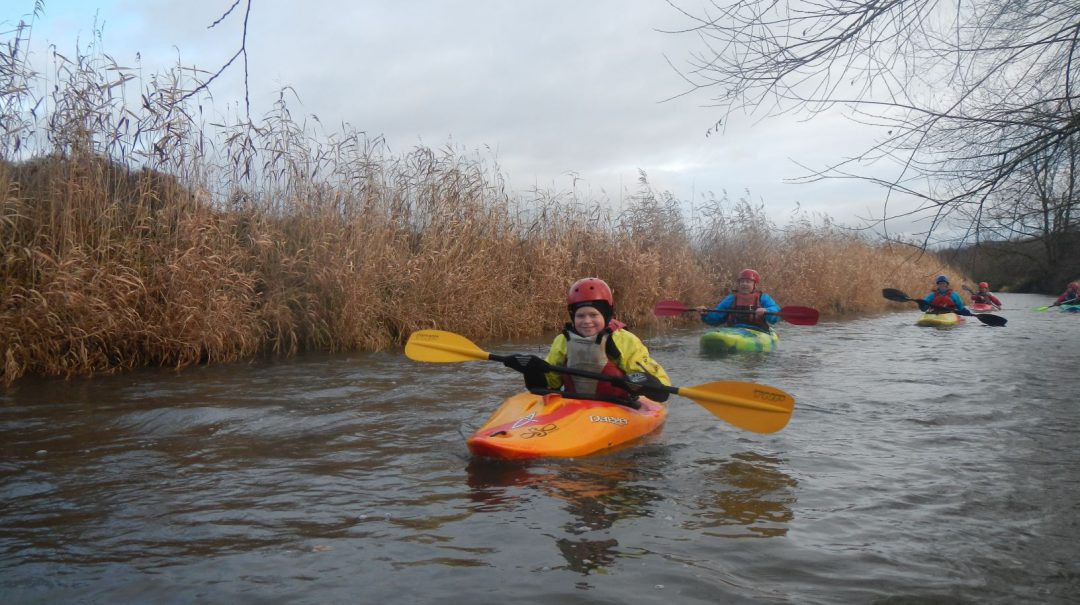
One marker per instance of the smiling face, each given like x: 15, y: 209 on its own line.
x: 744, y: 286
x: 588, y: 321
x: 942, y: 286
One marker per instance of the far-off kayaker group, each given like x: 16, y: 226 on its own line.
x: 594, y: 341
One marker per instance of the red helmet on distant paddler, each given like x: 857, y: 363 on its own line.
x: 751, y: 275
x: 984, y: 286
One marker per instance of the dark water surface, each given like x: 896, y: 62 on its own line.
x: 920, y: 466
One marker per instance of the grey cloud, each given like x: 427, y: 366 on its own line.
x: 553, y: 87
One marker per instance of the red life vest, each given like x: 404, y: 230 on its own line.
x: 746, y: 302
x: 942, y: 300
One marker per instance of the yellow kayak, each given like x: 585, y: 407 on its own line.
x: 739, y: 339
x: 940, y: 320
x: 533, y: 426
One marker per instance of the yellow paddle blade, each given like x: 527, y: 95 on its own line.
x: 442, y: 347
x: 747, y: 405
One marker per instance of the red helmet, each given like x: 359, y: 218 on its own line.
x: 588, y: 289
x: 1074, y: 285
x: 984, y: 286
x: 751, y: 275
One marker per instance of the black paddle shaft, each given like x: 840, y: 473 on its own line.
x: 628, y: 382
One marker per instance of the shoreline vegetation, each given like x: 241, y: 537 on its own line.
x: 138, y: 234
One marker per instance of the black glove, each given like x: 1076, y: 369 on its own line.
x: 532, y: 367
x: 965, y: 311
x: 643, y: 383
x: 923, y: 305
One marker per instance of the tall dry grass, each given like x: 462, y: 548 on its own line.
x: 810, y: 262
x: 135, y: 234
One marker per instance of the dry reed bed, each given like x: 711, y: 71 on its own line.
x: 125, y: 248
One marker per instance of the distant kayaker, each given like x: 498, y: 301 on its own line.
x: 595, y: 342
x: 746, y: 297
x: 1071, y: 295
x: 943, y: 298
x: 984, y: 296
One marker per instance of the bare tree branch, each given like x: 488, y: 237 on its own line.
x: 242, y: 52
x: 976, y: 96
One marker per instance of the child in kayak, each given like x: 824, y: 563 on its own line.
x: 595, y: 342
x: 756, y: 306
x: 985, y: 297
x: 1071, y: 296
x: 943, y: 298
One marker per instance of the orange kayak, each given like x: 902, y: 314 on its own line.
x: 534, y: 426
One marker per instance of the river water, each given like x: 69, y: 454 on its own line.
x: 921, y: 465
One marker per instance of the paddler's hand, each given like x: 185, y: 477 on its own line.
x: 643, y: 383
x: 760, y: 313
x: 531, y: 366
x: 524, y: 363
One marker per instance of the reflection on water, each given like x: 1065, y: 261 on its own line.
x: 596, y: 494
x: 746, y: 495
x: 586, y: 556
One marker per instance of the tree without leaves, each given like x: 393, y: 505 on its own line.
x: 1038, y: 205
x: 970, y: 93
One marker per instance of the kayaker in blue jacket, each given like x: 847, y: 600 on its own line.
x: 754, y: 308
x: 943, y: 298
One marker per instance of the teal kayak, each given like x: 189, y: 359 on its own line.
x: 739, y: 339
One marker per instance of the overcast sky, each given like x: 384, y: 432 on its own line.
x: 549, y: 88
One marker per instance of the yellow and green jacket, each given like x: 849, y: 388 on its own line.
x: 624, y: 350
